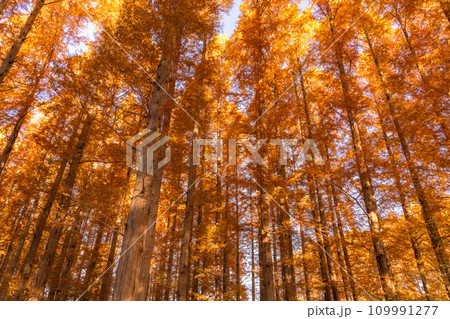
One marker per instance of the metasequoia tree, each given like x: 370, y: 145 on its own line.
x: 361, y: 215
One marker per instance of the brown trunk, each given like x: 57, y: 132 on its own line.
x: 275, y: 245
x: 252, y: 239
x: 445, y: 5
x: 105, y: 290
x: 402, y: 197
x: 365, y: 178
x: 28, y: 103
x: 168, y: 277
x: 25, y: 271
x: 286, y: 249
x: 184, y: 269
x: 12, y: 54
x: 93, y: 261
x: 327, y: 246
x: 315, y: 210
x: 226, y: 236
x: 73, y: 250
x: 305, y: 268
x: 3, y: 4
x: 427, y: 211
x: 12, y: 268
x: 61, y: 214
x: 237, y: 244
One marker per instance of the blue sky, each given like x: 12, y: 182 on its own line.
x: 230, y: 20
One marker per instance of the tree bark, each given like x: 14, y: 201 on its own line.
x: 427, y: 211
x: 12, y: 54
x: 3, y: 4
x: 25, y: 271
x: 184, y: 270
x: 365, y: 178
x: 61, y: 214
x: 286, y: 248
x: 315, y: 210
x: 445, y: 5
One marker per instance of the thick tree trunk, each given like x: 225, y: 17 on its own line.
x: 427, y: 211
x: 12, y: 54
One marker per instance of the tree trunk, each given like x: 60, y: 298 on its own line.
x: 427, y: 211
x: 61, y: 214
x: 252, y: 239
x: 105, y: 290
x: 93, y: 261
x: 445, y: 5
x: 327, y: 246
x: 286, y: 248
x: 238, y: 237
x: 12, y: 54
x: 184, y: 270
x: 3, y: 4
x: 365, y: 178
x: 28, y: 103
x: 305, y: 268
x: 12, y: 268
x: 315, y: 210
x: 25, y: 271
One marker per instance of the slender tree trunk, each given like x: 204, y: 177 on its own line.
x: 184, y: 270
x: 3, y: 4
x: 12, y: 268
x: 252, y: 239
x: 275, y: 245
x: 305, y: 268
x: 93, y: 261
x: 327, y: 246
x: 26, y: 269
x: 434, y: 92
x: 12, y: 54
x: 445, y: 5
x: 226, y: 237
x: 238, y: 238
x: 168, y: 277
x: 105, y: 290
x: 402, y: 197
x: 315, y: 210
x: 62, y: 210
x: 286, y: 248
x: 28, y: 103
x: 365, y: 178
x: 427, y: 211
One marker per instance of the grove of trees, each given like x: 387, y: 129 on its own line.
x: 367, y: 80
